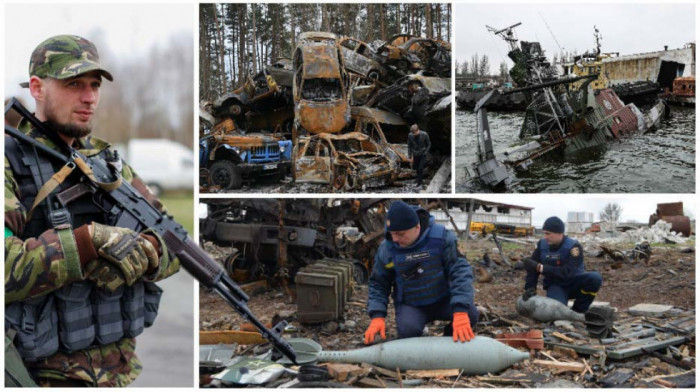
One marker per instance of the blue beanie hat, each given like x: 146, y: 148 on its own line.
x: 401, y: 216
x: 553, y: 225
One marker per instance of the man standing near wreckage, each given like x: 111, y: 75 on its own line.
x: 559, y: 259
x: 418, y: 149
x: 77, y: 291
x: 418, y: 264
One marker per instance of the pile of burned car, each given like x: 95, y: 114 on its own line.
x: 345, y: 106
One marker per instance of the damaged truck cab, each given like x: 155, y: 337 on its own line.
x: 320, y: 85
x: 232, y: 159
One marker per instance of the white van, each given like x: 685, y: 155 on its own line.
x: 162, y: 164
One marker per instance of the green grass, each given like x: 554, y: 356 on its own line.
x: 181, y: 206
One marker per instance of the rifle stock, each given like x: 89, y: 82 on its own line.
x: 128, y: 208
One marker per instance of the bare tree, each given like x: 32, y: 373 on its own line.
x: 484, y: 67
x: 611, y: 213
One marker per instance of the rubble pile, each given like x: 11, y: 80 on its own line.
x: 652, y: 342
x: 660, y: 232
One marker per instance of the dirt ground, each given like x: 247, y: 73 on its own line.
x: 667, y: 278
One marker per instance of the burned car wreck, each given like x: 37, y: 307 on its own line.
x: 346, y: 162
x: 343, y: 87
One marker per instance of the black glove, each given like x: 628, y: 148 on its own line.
x: 530, y: 265
x: 531, y: 292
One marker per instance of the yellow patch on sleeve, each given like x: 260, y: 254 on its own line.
x: 389, y: 266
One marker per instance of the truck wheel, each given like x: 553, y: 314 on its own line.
x: 226, y: 175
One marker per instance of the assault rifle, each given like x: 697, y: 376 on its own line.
x: 128, y: 208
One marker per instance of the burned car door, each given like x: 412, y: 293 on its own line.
x: 312, y: 161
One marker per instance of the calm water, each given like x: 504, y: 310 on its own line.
x: 659, y: 162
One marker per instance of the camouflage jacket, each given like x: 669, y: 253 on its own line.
x: 38, y: 266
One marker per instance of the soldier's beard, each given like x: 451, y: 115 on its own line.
x: 70, y: 130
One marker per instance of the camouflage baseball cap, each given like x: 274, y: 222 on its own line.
x: 63, y: 57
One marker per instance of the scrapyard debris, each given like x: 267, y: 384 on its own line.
x: 258, y: 246
x: 327, y: 79
x: 408, y: 54
x: 345, y: 162
x: 320, y: 84
x: 251, y: 371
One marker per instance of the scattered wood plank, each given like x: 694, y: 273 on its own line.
x: 230, y: 337
x: 432, y: 373
x: 561, y: 366
x: 563, y: 337
x: 254, y: 288
x: 344, y: 371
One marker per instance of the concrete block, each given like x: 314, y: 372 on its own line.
x: 649, y: 310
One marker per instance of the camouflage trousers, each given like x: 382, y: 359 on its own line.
x: 112, y: 365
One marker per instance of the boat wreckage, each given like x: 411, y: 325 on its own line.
x: 564, y: 115
x: 345, y: 106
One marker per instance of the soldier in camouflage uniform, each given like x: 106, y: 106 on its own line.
x: 49, y: 264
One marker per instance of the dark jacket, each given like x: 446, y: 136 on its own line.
x: 382, y: 282
x: 561, y: 270
x: 418, y: 145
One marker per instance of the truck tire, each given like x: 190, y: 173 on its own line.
x: 226, y: 175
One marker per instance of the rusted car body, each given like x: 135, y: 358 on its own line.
x: 320, y: 84
x: 348, y: 161
x: 250, y: 105
x: 412, y: 96
x: 408, y: 54
x: 376, y: 124
x: 359, y: 58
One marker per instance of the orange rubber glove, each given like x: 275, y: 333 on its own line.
x: 461, y: 327
x: 376, y: 326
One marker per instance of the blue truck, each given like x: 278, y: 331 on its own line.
x: 229, y: 160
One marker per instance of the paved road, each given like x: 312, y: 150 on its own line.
x: 167, y: 348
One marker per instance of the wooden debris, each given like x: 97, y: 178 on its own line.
x: 569, y: 352
x: 561, y: 366
x: 229, y: 337
x: 432, y: 373
x: 369, y: 382
x: 254, y: 288
x: 562, y: 337
x: 530, y: 339
x: 344, y: 371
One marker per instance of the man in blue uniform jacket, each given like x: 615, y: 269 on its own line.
x: 419, y: 266
x: 560, y: 259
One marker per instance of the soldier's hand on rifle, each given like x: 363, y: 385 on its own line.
x: 124, y: 248
x: 104, y: 274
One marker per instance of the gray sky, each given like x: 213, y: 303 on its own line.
x: 636, y: 207
x: 626, y: 28
x: 128, y: 29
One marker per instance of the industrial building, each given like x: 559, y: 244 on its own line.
x: 475, y: 213
x: 662, y: 66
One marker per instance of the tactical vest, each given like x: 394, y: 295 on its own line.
x: 557, y: 257
x: 420, y: 274
x: 78, y: 315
